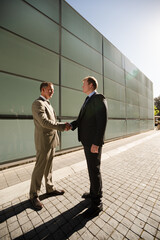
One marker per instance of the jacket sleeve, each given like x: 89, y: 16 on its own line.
x: 39, y: 114
x: 100, y: 106
x: 74, y: 125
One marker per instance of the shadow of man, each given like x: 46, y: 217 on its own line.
x: 59, y: 228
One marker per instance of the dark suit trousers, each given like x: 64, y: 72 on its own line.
x: 93, y: 163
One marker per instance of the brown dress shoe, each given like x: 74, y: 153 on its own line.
x: 36, y: 203
x: 55, y: 192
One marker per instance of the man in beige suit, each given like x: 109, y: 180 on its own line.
x: 46, y: 140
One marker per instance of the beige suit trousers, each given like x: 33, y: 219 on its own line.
x: 43, y: 166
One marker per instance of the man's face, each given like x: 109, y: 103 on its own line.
x: 47, y: 92
x: 87, y: 88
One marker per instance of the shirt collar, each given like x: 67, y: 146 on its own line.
x: 92, y: 93
x: 43, y: 97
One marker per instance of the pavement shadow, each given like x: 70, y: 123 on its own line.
x: 18, y: 208
x: 14, y: 210
x: 59, y: 228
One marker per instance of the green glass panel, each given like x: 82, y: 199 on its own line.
x: 27, y: 59
x: 133, y: 111
x: 114, y: 90
x: 132, y: 97
x: 143, y: 89
x: 131, y: 68
x: 26, y: 92
x: 77, y: 25
x: 48, y: 7
x: 142, y: 101
x: 133, y: 126
x: 112, y: 53
x: 143, y: 112
x: 150, y: 85
x: 80, y: 52
x: 17, y: 94
x: 150, y: 124
x: 150, y: 113
x: 71, y: 102
x: 116, y: 109
x: 17, y: 141
x: 143, y: 125
x: 150, y: 104
x: 115, y: 128
x: 29, y: 23
x: 113, y: 72
x: 132, y: 82
x: 72, y: 75
x: 69, y: 139
x: 142, y: 79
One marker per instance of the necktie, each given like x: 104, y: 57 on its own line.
x: 86, y: 100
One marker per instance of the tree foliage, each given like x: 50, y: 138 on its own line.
x: 156, y: 111
x: 157, y: 105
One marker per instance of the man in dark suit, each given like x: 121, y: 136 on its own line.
x: 91, y: 124
x: 46, y: 140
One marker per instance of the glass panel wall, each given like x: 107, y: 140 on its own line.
x: 49, y: 41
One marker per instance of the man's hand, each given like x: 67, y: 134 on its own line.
x: 67, y: 127
x: 94, y: 148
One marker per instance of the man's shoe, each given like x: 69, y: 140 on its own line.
x: 36, y: 203
x: 93, y: 211
x: 55, y: 192
x: 86, y: 195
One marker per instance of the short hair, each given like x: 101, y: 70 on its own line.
x: 92, y: 80
x: 45, y: 84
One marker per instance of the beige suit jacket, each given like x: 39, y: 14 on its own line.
x: 46, y: 125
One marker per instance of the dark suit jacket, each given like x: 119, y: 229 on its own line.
x: 92, y: 121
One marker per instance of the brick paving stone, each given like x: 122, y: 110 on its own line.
x: 155, y: 217
x: 94, y: 229
x: 150, y: 229
x: 4, y: 232
x: 16, y: 233
x: 158, y: 234
x: 116, y: 235
x: 108, y: 229
x: 131, y: 235
x: 75, y: 236
x: 113, y: 222
x: 101, y: 235
x: 87, y: 235
x: 100, y: 222
x: 122, y: 229
x: 146, y: 235
x: 139, y: 222
x: 27, y: 227
x: 23, y: 220
x: 152, y: 222
x: 126, y: 222
x: 136, y: 229
x: 118, y: 217
x: 13, y: 226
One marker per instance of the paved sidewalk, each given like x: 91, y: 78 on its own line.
x: 131, y: 198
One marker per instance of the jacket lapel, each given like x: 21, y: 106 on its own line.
x: 83, y: 109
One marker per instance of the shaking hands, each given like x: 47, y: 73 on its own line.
x: 68, y: 126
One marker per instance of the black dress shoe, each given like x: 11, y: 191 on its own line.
x: 86, y: 195
x: 93, y: 211
x: 55, y: 193
x: 36, y: 203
